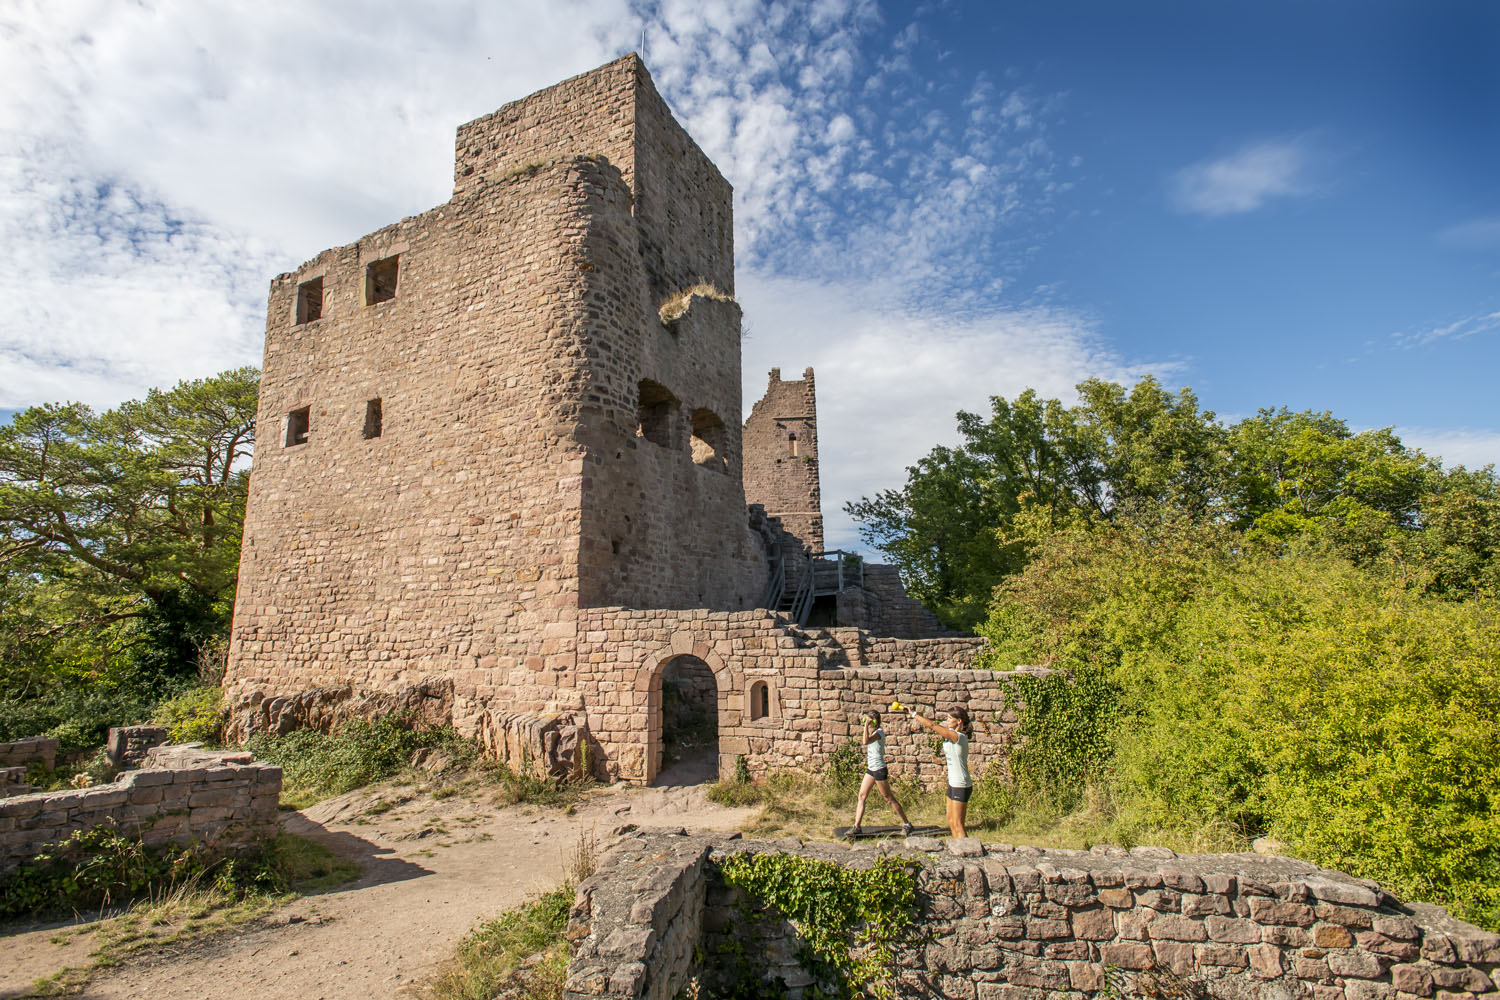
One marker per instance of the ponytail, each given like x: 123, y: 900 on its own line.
x: 964, y: 725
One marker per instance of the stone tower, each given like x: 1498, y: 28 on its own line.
x: 781, y: 457
x: 501, y: 475
x: 477, y: 421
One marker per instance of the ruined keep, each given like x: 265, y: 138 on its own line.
x: 502, y: 479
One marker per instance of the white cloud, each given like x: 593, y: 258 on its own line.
x: 1459, y: 329
x: 1472, y: 448
x: 1244, y: 181
x: 891, y: 378
x: 1475, y: 234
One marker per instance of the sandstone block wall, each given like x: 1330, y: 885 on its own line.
x: 222, y: 800
x: 31, y: 750
x: 998, y: 922
x: 816, y: 684
x: 451, y: 465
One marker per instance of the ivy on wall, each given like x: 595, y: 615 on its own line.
x: 849, y: 923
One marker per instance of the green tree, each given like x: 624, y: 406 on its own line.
x: 967, y: 516
x: 120, y: 531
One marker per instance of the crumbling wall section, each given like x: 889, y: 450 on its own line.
x: 997, y: 922
x: 223, y: 800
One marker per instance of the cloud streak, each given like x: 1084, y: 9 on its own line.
x: 1459, y: 329
x: 1242, y: 182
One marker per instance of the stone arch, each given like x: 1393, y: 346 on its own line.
x: 648, y: 691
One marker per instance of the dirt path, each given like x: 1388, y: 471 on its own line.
x: 432, y: 869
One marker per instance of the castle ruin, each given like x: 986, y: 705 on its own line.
x: 502, y: 479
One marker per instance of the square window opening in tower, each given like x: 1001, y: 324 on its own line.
x: 380, y: 280
x: 310, y: 301
x: 298, y: 423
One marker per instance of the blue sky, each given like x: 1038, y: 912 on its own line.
x: 1274, y: 203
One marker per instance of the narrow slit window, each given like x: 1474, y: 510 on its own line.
x: 297, y: 425
x: 380, y: 280
x: 373, y: 419
x: 791, y: 444
x: 760, y: 700
x: 310, y: 301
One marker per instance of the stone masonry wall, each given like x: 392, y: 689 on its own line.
x: 223, y: 800
x: 31, y: 750
x: 818, y: 682
x: 998, y: 922
x: 470, y: 472
x: 781, y: 473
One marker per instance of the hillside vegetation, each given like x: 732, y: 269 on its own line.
x: 1280, y: 626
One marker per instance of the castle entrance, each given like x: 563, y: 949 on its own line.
x: 689, y: 746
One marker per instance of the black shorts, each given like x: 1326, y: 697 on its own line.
x: 884, y: 774
x: 960, y: 794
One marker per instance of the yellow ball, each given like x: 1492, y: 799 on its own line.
x: 896, y: 706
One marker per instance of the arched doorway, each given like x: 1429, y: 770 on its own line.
x: 688, y: 752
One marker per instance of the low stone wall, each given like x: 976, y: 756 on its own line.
x: 224, y: 800
x: 28, y: 751
x: 1007, y: 923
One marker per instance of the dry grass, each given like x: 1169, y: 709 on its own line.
x: 810, y: 806
x: 192, y: 911
x: 677, y: 306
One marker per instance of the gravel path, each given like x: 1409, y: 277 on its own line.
x: 432, y: 869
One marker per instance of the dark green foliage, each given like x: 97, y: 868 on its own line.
x: 969, y: 517
x: 1069, y: 726
x: 119, y: 545
x: 848, y: 922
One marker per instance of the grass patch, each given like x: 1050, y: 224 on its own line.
x: 810, y: 806
x: 521, y: 954
x: 317, y: 766
x: 214, y: 898
x: 677, y: 306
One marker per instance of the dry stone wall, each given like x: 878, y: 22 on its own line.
x: 31, y: 750
x: 998, y: 922
x: 127, y: 746
x: 223, y: 800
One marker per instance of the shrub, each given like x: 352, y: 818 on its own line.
x: 1282, y: 691
x: 196, y: 715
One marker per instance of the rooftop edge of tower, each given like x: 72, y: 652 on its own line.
x: 595, y: 112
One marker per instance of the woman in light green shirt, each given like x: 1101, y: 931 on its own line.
x: 955, y: 736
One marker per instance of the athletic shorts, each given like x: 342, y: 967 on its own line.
x: 960, y: 794
x: 884, y: 774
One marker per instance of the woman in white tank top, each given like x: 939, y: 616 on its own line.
x: 877, y: 775
x: 955, y: 736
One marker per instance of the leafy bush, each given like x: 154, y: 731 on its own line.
x: 1281, y: 691
x: 846, y: 765
x: 848, y: 921
x: 77, y: 716
x: 194, y: 716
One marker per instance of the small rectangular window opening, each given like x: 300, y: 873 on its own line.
x: 372, y: 419
x: 380, y: 280
x: 297, y: 426
x: 310, y: 301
